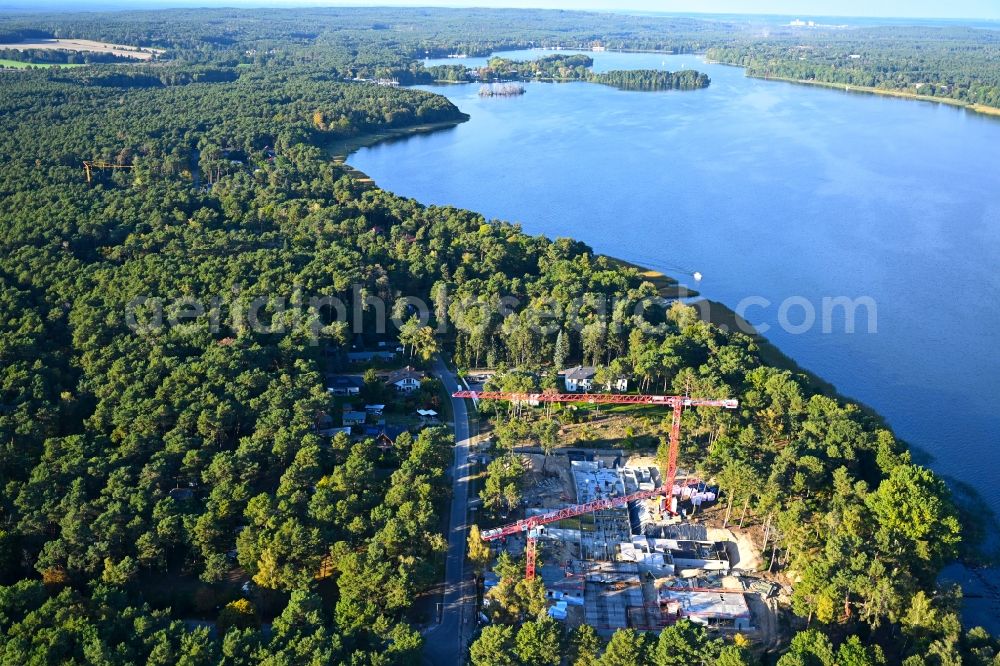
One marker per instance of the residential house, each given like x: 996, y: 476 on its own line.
x: 375, y: 410
x: 405, y: 380
x: 333, y: 432
x: 369, y: 356
x: 181, y: 494
x: 385, y: 435
x: 619, y: 384
x: 580, y: 379
x: 323, y: 420
x: 352, y: 417
x: 344, y: 385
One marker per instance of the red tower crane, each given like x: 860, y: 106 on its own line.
x: 529, y: 525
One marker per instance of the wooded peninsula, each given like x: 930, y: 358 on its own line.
x: 187, y: 494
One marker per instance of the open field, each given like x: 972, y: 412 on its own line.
x: 85, y: 46
x: 17, y: 64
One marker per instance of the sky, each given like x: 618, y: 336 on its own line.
x: 977, y: 9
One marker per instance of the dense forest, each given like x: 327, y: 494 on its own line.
x: 956, y: 63
x: 343, y: 33
x: 166, y: 496
x: 101, y: 427
x: 561, y: 67
x: 652, y: 79
x: 953, y: 62
x: 578, y: 67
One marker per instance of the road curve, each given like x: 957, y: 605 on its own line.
x: 444, y: 644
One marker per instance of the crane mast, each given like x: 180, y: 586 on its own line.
x: 530, y: 525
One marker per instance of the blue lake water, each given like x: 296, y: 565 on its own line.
x: 774, y: 191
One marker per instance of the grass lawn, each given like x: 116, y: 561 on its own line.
x: 17, y: 64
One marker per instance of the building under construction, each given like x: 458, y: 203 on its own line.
x: 630, y: 565
x: 623, y: 540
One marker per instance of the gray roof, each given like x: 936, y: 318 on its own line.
x: 404, y: 374
x: 369, y: 355
x: 333, y: 432
x: 581, y: 372
x: 344, y: 381
x: 181, y: 493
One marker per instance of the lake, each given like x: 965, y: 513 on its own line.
x: 773, y: 191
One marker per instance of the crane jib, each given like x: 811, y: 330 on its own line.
x: 676, y: 402
x: 527, y: 524
x: 599, y: 398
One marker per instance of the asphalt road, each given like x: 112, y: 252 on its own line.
x: 444, y: 645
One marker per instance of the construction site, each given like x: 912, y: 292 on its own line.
x: 617, y: 545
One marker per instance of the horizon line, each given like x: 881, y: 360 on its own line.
x: 122, y: 5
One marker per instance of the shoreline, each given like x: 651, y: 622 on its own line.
x: 667, y: 286
x: 901, y: 94
x: 975, y: 522
x: 975, y: 517
x: 342, y: 148
x: 720, y: 314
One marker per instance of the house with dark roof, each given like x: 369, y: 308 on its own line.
x: 405, y: 380
x: 580, y: 379
x: 352, y: 417
x: 333, y: 432
x: 344, y: 385
x: 181, y: 494
x: 323, y: 420
x: 369, y: 356
x: 385, y: 436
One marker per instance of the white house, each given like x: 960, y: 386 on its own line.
x: 619, y: 384
x: 405, y: 380
x: 580, y: 379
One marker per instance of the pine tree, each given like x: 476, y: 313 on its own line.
x: 478, y: 551
x: 562, y: 351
